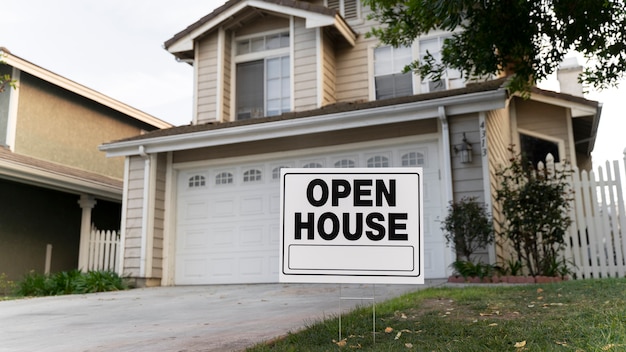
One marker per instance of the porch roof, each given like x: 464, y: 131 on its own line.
x: 41, y: 173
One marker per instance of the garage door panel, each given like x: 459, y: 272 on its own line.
x: 222, y: 207
x: 252, y: 204
x: 230, y: 233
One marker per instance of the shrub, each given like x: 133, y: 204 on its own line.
x: 534, y: 204
x: 467, y: 227
x: 69, y: 282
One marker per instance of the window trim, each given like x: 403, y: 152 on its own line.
x: 261, y: 55
x: 415, y: 83
x: 558, y: 141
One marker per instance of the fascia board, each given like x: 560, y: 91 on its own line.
x: 41, y: 178
x: 313, y: 20
x: 469, y: 103
x: 81, y: 90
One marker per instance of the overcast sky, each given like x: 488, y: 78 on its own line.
x: 116, y: 48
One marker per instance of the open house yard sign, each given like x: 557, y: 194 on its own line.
x: 359, y: 225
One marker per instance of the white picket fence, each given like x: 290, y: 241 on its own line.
x: 597, y: 242
x: 104, y: 250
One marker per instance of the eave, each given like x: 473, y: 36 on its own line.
x: 57, y: 177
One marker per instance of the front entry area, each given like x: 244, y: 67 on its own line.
x: 227, y: 221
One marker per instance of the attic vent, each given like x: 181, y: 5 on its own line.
x: 349, y: 9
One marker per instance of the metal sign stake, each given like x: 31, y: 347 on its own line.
x: 372, y: 298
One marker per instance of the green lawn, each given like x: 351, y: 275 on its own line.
x: 584, y: 315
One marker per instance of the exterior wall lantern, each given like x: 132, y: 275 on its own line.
x: 465, y: 149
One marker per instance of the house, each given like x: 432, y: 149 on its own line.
x: 283, y: 83
x: 55, y: 183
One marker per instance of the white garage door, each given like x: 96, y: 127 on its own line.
x: 228, y: 215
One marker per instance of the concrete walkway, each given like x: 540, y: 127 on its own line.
x: 192, y: 318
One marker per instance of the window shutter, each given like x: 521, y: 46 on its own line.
x: 334, y: 4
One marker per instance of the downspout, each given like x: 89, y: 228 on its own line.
x: 145, y: 211
x: 446, y: 174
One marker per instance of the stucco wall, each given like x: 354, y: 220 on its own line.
x: 56, y: 125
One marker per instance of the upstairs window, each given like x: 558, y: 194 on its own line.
x: 263, y: 77
x: 450, y: 79
x: 348, y: 9
x: 389, y: 81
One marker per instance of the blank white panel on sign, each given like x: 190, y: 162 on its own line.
x: 362, y: 258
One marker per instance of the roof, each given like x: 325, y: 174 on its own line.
x: 482, y: 96
x: 60, y: 81
x: 475, y: 97
x: 25, y: 169
x: 233, y: 12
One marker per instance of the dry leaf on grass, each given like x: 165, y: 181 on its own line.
x: 408, y: 345
x: 388, y: 329
x: 520, y: 344
x: 341, y: 343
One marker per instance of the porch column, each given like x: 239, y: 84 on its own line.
x: 86, y: 203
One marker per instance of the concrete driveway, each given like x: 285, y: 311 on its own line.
x: 192, y: 318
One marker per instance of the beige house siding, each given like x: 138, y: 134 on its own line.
x: 498, y: 128
x: 263, y: 24
x: 353, y: 66
x: 544, y: 119
x: 305, y: 66
x: 467, y: 178
x: 56, y: 125
x: 329, y: 70
x: 134, y: 217
x: 227, y: 76
x: 207, y: 49
x: 159, y: 216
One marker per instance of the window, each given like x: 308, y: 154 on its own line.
x: 263, y: 83
x: 412, y: 159
x: 389, y: 81
x: 378, y: 161
x: 252, y: 175
x: 451, y: 78
x: 313, y: 165
x: 348, y: 9
x: 197, y: 181
x: 276, y: 172
x: 344, y: 163
x: 537, y: 149
x: 224, y: 178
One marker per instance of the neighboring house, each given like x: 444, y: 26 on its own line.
x: 54, y: 181
x: 284, y: 83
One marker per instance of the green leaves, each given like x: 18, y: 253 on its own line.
x: 526, y: 39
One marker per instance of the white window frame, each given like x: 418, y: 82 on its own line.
x: 415, y: 84
x: 257, y: 56
x: 440, y: 37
